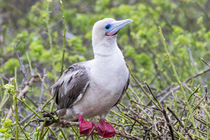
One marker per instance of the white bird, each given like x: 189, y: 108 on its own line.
x: 93, y: 87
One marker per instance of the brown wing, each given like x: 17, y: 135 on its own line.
x: 124, y: 90
x: 71, y: 86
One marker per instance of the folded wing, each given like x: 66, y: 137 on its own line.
x: 71, y: 86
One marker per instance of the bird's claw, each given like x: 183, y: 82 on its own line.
x: 49, y: 115
x: 49, y: 118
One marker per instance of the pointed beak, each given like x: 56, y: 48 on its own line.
x: 117, y: 25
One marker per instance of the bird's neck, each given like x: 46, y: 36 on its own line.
x: 109, y: 57
x: 105, y: 48
x: 108, y: 63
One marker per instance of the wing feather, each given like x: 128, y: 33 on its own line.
x: 71, y: 86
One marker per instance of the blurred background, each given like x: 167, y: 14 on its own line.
x: 35, y: 34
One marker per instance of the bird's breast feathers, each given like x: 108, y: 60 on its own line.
x: 111, y: 76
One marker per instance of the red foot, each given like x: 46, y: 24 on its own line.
x: 85, y: 127
x: 105, y: 129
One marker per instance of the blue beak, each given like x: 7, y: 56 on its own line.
x: 116, y: 26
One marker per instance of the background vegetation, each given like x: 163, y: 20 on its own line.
x: 167, y: 48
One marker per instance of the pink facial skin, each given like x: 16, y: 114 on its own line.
x: 110, y: 33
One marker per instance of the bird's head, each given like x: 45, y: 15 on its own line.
x: 107, y: 29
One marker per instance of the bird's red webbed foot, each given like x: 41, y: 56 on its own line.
x: 85, y: 127
x: 104, y: 129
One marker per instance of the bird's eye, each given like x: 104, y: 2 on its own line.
x: 107, y: 26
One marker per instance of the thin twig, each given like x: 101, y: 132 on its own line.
x: 183, y: 83
x: 175, y: 116
x: 153, y: 94
x: 164, y: 91
x: 205, y: 62
x: 23, y: 92
x: 168, y: 123
x: 125, y: 134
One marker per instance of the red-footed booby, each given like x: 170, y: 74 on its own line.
x: 91, y: 88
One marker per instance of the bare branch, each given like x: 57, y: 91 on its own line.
x: 23, y: 92
x: 183, y: 83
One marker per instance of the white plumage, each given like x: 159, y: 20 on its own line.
x: 93, y: 87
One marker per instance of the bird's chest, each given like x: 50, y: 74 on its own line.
x: 111, y: 76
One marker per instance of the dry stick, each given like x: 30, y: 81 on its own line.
x: 31, y: 100
x: 183, y: 83
x: 35, y: 113
x: 168, y: 123
x: 179, y: 122
x: 175, y: 116
x: 206, y: 91
x: 150, y: 91
x: 124, y: 134
x: 132, y: 127
x: 163, y: 111
x: 122, y: 115
x: 133, y: 118
x: 140, y: 104
x: 27, y: 117
x: 200, y: 121
x: 141, y: 121
x: 23, y: 92
x: 206, y: 112
x: 164, y: 91
x: 139, y: 84
x: 205, y: 62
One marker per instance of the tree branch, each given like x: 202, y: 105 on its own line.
x: 183, y: 83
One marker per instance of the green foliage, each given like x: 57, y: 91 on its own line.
x: 76, y: 44
x: 5, y: 130
x: 39, y: 27
x: 10, y: 65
